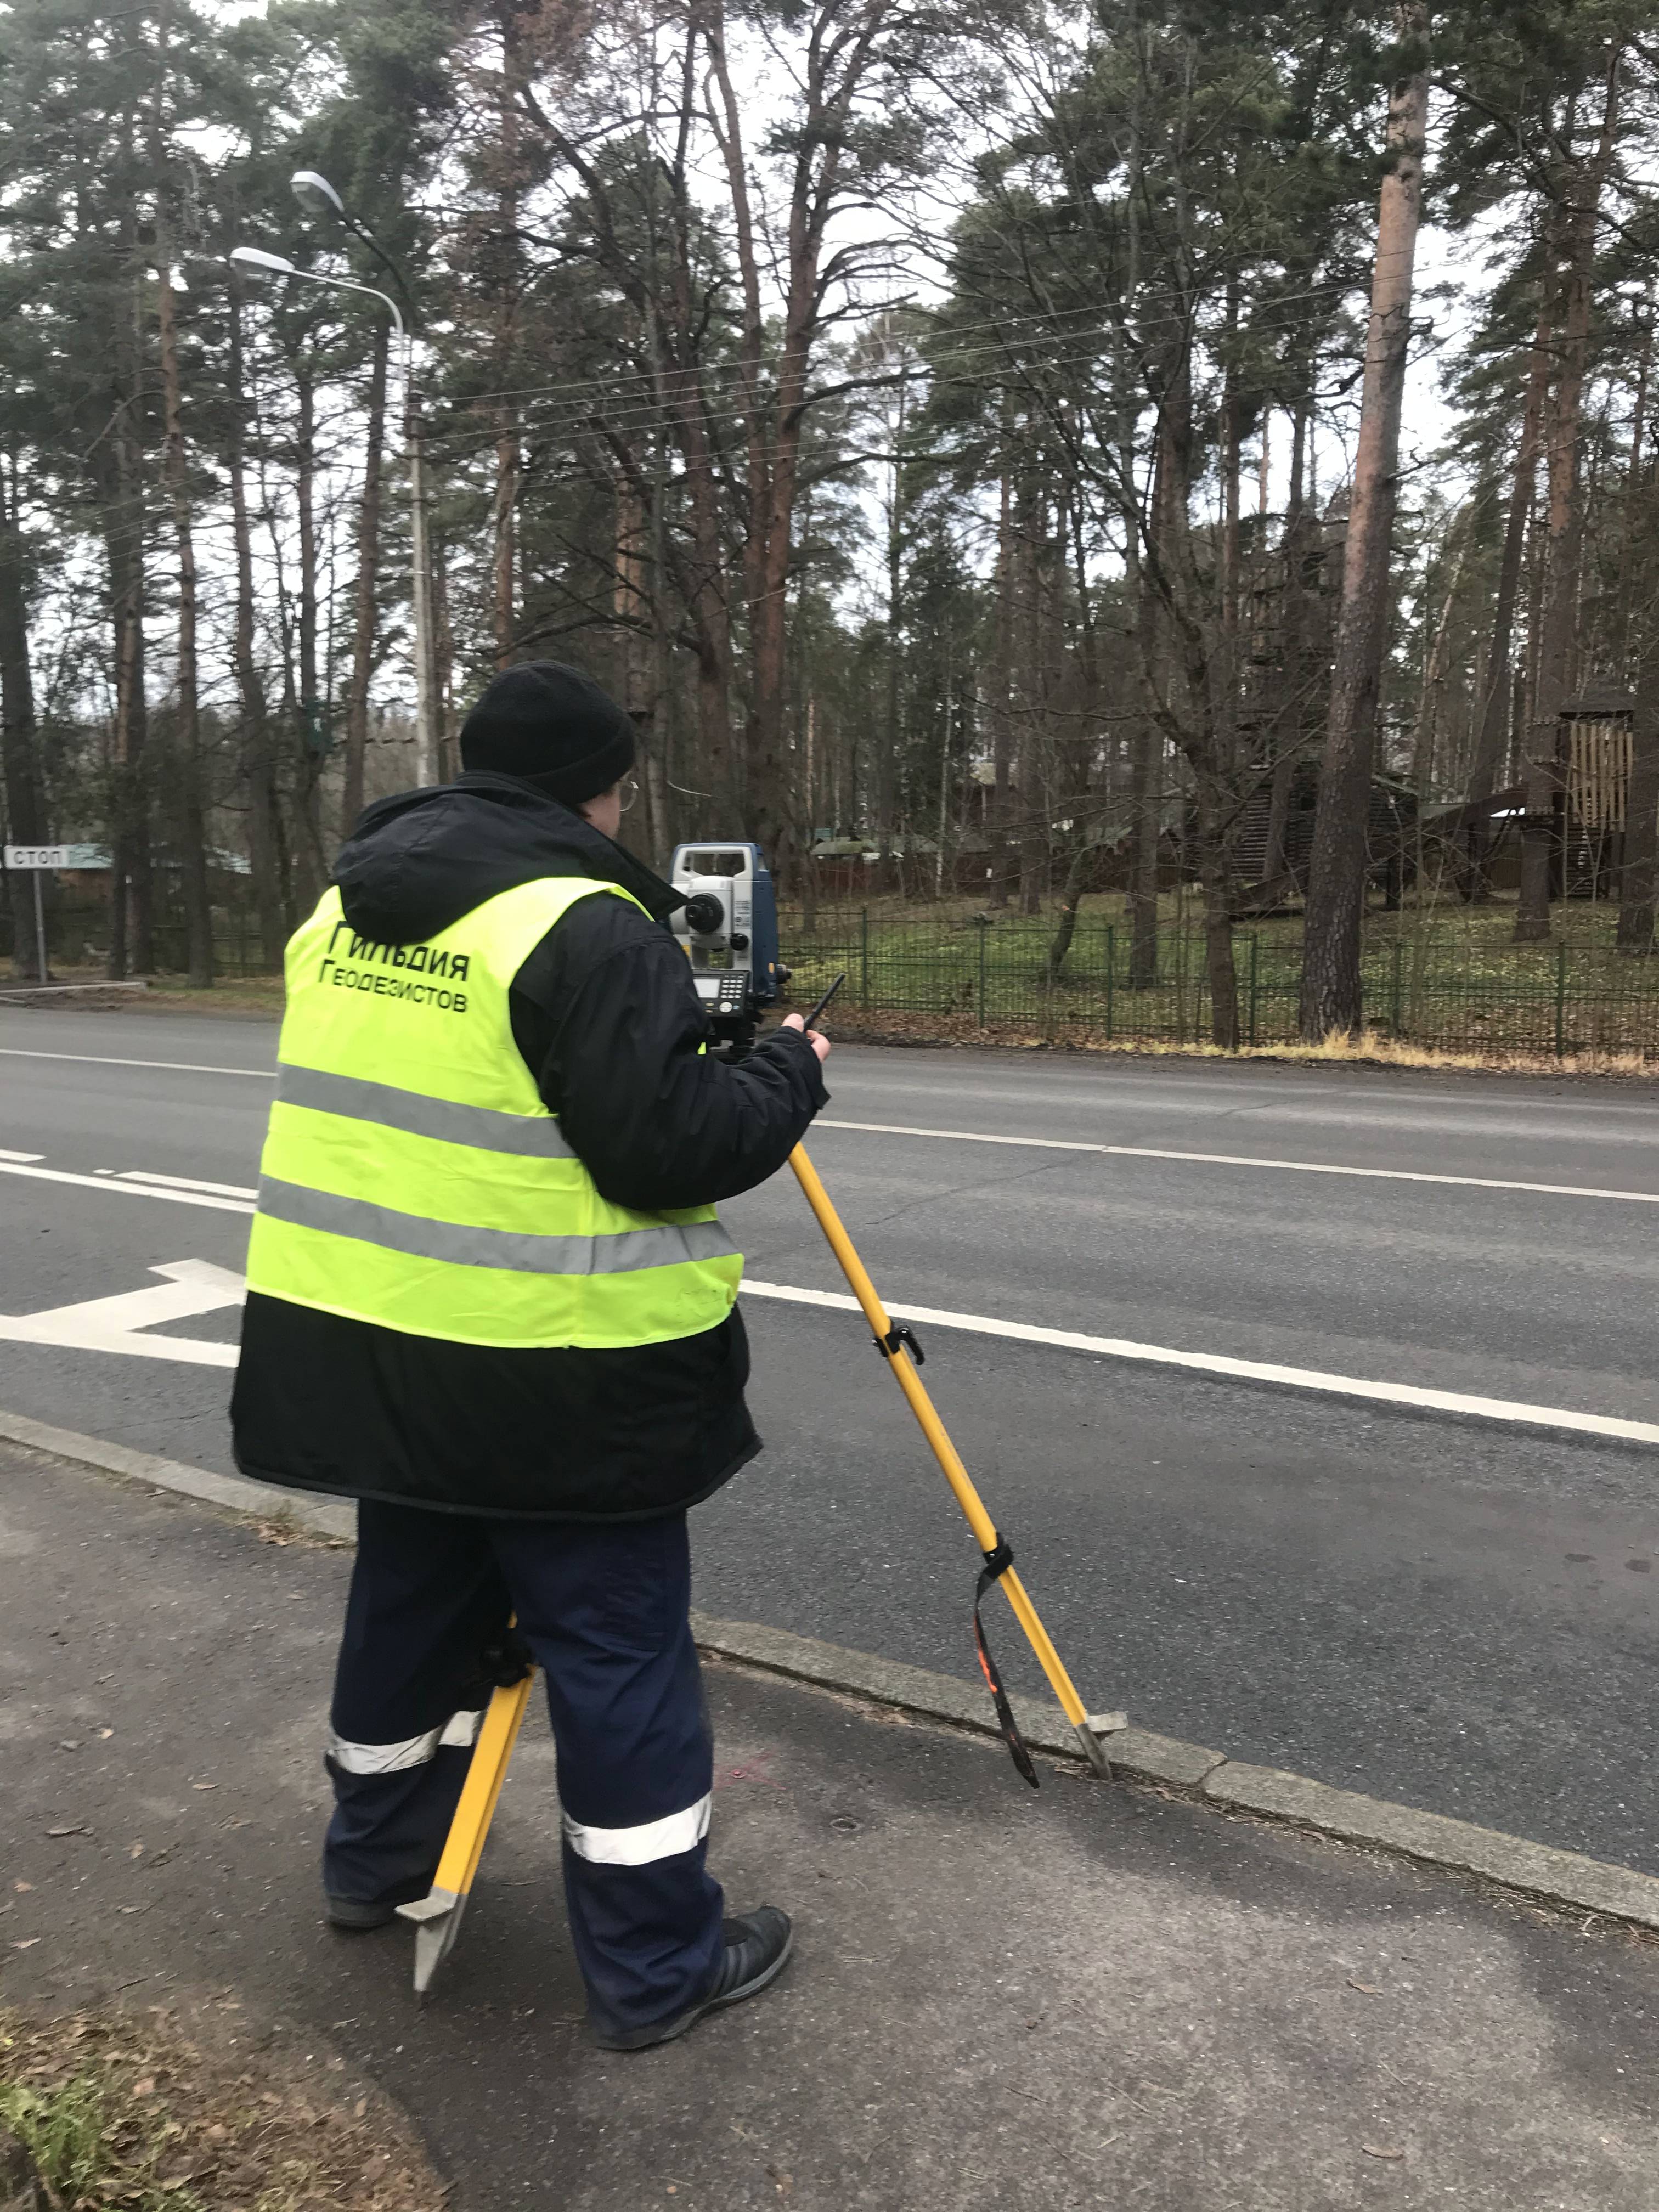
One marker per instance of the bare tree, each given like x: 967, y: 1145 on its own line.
x: 1336, y: 888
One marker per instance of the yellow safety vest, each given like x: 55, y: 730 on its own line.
x: 412, y: 1176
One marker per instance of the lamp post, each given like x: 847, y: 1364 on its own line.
x: 253, y: 257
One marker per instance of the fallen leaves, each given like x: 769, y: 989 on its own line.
x: 27, y: 1943
x: 20, y: 1886
x: 81, y: 1830
x: 1375, y: 2150
x: 1366, y: 1989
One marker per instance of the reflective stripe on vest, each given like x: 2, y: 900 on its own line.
x: 519, y: 1251
x: 482, y: 1126
x: 412, y: 1175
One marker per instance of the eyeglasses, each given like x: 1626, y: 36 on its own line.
x: 630, y: 788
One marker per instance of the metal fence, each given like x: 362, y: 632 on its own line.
x: 937, y: 977
x: 1461, y: 995
x: 77, y: 939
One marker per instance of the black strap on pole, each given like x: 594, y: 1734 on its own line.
x: 997, y: 1564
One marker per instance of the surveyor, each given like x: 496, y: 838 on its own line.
x: 489, y: 1299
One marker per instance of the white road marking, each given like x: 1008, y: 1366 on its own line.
x: 1250, y: 1371
x: 986, y: 1137
x: 108, y: 1059
x: 129, y: 1189
x: 185, y: 1182
x: 1245, y: 1160
x: 112, y: 1324
x: 1104, y: 1347
x: 23, y: 1159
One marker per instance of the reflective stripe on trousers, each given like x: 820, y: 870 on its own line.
x: 519, y: 1252
x: 459, y: 1731
x: 642, y: 1845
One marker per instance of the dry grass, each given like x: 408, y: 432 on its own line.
x: 236, y: 994
x: 1370, y: 1050
x: 126, y: 2112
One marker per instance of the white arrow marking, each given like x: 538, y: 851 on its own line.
x: 112, y: 1324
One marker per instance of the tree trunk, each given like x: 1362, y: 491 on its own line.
x: 1146, y: 810
x: 1336, y: 888
x: 887, y: 780
x: 367, y: 591
x: 1220, y: 969
x: 19, y: 757
x: 1434, y: 665
x: 1002, y: 710
x: 504, y: 275
x: 1031, y: 536
x: 118, y: 463
x: 839, y: 53
x: 503, y: 518
x: 1071, y: 899
x: 678, y: 377
x: 1166, y: 528
x: 635, y: 664
x: 190, y: 813
x: 259, y: 764
x: 1635, y: 882
x: 1492, y: 745
x: 1563, y: 528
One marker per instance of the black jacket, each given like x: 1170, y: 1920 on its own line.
x: 606, y: 1017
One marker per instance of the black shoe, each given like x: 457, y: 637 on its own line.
x: 357, y: 1915
x: 757, y: 1946
x: 353, y: 1914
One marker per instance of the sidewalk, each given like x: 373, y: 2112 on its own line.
x: 1091, y: 1996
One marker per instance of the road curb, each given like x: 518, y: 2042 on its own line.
x: 1565, y: 1879
x: 321, y: 1517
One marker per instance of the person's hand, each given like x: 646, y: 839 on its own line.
x: 819, y: 1043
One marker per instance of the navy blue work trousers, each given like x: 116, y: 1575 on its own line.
x: 604, y: 1611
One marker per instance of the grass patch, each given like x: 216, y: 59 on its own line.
x: 126, y: 2113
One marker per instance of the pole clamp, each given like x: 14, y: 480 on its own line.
x: 890, y: 1344
x: 999, y: 1560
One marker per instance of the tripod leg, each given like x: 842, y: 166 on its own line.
x: 437, y: 1916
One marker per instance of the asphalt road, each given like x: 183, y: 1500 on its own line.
x: 1455, y: 1611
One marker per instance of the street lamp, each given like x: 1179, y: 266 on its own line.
x: 317, y: 188
x: 313, y: 190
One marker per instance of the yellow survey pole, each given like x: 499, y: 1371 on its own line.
x: 437, y: 1916
x: 915, y: 1391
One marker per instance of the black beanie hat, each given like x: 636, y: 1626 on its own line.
x: 551, y: 726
